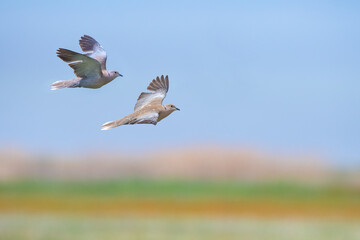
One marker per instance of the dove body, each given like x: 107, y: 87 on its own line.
x: 90, y: 68
x: 94, y: 82
x: 149, y: 108
x: 86, y: 82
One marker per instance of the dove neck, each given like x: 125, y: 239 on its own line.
x: 164, y: 113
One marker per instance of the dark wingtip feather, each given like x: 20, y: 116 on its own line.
x: 66, y: 55
x: 87, y: 43
x: 159, y: 83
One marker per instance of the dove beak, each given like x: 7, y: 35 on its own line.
x: 120, y: 75
x: 178, y: 109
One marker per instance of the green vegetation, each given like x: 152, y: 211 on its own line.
x: 159, y: 209
x: 183, y: 189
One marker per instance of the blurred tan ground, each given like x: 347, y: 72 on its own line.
x: 196, y: 162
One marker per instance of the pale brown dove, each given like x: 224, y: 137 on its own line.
x: 148, y: 108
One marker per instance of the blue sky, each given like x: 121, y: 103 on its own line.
x: 280, y: 76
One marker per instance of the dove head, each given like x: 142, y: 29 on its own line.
x: 114, y: 74
x: 170, y: 108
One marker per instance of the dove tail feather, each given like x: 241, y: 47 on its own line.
x: 114, y: 124
x: 65, y: 84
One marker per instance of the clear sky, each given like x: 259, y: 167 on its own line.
x: 275, y: 75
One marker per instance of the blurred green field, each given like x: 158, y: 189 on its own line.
x: 181, y: 188
x: 171, y: 209
x: 180, y: 197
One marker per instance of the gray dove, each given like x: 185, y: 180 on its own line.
x: 148, y: 108
x: 89, y: 68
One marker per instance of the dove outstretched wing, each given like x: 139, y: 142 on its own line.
x: 83, y: 65
x: 158, y: 87
x: 93, y: 49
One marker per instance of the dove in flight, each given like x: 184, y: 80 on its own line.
x: 89, y: 68
x: 148, y: 108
